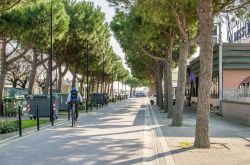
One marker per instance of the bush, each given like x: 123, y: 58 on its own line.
x: 8, y: 126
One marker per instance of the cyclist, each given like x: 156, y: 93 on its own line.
x: 74, y: 95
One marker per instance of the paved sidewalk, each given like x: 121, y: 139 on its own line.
x: 113, y: 135
x: 230, y: 141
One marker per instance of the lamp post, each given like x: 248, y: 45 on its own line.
x: 103, y: 78
x: 50, y: 64
x: 87, y: 86
x: 112, y: 85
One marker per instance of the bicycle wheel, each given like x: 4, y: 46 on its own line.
x: 73, y: 115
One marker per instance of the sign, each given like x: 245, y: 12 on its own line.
x: 241, y: 31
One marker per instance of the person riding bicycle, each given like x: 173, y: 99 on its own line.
x: 74, y: 97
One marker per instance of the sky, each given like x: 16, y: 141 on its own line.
x: 109, y: 14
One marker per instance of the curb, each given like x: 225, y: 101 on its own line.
x: 164, y: 146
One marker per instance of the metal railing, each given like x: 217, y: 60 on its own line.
x: 238, y: 95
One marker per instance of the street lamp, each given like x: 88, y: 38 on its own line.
x: 50, y: 65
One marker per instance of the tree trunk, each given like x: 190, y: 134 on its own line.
x: 60, y: 77
x: 165, y: 88
x: 3, y: 70
x: 106, y: 87
x: 92, y: 84
x: 110, y: 89
x: 206, y: 66
x: 156, y: 90
x: 98, y: 84
x: 159, y: 81
x: 131, y: 91
x: 81, y: 87
x: 151, y: 88
x: 61, y: 74
x: 47, y: 83
x: 32, y: 72
x: 14, y: 83
x: 74, y: 79
x: 169, y: 84
x: 24, y: 83
x: 180, y: 96
x: 108, y: 84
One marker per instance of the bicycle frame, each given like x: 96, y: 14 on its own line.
x: 73, y: 115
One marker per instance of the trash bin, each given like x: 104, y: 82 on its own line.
x: 43, y: 101
x: 105, y: 98
x: 95, y: 98
x: 62, y: 101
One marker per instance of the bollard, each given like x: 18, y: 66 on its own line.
x: 37, y: 118
x: 20, y: 121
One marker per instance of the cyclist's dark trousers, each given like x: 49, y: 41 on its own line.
x: 76, y: 110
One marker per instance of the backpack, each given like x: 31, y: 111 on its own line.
x: 74, y: 95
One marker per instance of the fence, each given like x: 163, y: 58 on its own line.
x: 237, y: 95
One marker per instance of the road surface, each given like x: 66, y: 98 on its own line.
x: 118, y: 134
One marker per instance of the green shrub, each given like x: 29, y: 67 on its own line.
x: 8, y: 126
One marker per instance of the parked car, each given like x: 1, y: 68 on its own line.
x: 140, y: 95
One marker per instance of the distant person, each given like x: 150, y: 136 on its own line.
x: 75, y: 96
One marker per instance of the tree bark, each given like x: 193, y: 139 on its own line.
x: 169, y: 84
x: 14, y: 83
x: 108, y: 87
x: 180, y: 96
x: 156, y: 90
x: 159, y: 81
x: 74, y: 79
x: 206, y: 66
x: 98, y: 84
x: 61, y: 74
x: 60, y: 77
x: 47, y: 83
x: 165, y: 101
x: 23, y: 83
x: 32, y: 72
x: 3, y: 71
x: 81, y: 87
x: 131, y: 91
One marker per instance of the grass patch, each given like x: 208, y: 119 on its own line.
x: 12, y: 126
x: 185, y: 144
x: 63, y: 113
x: 31, y: 123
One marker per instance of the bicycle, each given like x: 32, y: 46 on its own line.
x: 73, y: 113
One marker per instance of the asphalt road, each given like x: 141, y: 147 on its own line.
x: 113, y: 135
